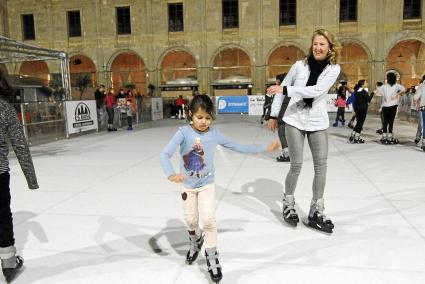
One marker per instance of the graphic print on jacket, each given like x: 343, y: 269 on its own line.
x: 194, y: 160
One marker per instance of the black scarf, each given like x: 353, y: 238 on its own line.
x: 316, y: 68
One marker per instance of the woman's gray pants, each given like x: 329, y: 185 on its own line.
x: 318, y: 142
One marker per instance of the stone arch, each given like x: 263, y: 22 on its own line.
x: 231, y: 61
x: 38, y: 70
x: 229, y: 46
x: 127, y: 67
x: 79, y: 65
x: 177, y: 64
x: 354, y: 61
x: 281, y: 58
x: 407, y: 56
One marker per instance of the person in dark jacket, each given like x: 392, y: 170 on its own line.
x: 11, y: 128
x: 281, y: 124
x: 267, y: 107
x: 99, y: 96
x: 360, y: 105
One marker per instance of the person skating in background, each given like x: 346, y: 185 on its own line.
x: 381, y: 114
x: 281, y: 124
x: 361, y: 104
x: 416, y: 105
x: 419, y: 99
x: 341, y: 104
x: 110, y: 104
x: 180, y: 107
x: 99, y: 96
x: 391, y: 92
x: 268, y: 100
x: 198, y: 142
x: 11, y: 129
x: 129, y: 109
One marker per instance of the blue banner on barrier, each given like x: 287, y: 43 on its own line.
x: 232, y: 104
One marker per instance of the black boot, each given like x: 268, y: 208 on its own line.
x: 214, y: 267
x: 11, y: 273
x: 289, y: 214
x: 195, y: 247
x: 358, y: 139
x: 282, y: 158
x: 317, y: 220
x: 351, y: 138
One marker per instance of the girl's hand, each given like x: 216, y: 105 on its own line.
x: 273, y: 146
x: 274, y: 89
x: 178, y: 178
x: 272, y: 124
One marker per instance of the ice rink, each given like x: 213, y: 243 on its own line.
x: 105, y: 212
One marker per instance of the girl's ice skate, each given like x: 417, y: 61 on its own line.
x: 10, y: 273
x: 214, y: 267
x: 289, y: 214
x: 317, y: 220
x: 195, y: 246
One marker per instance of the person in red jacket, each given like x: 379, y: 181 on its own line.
x: 109, y: 103
x: 180, y: 107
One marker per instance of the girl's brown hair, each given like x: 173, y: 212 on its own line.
x: 334, y: 45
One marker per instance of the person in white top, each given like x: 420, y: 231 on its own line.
x: 307, y: 84
x: 391, y: 92
x: 419, y: 100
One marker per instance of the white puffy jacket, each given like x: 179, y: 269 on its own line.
x: 308, y: 119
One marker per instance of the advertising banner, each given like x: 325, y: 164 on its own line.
x: 232, y: 104
x: 81, y: 116
x: 157, y: 110
x: 256, y: 104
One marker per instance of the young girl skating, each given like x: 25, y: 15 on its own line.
x: 198, y: 142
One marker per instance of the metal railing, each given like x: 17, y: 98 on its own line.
x: 46, y: 121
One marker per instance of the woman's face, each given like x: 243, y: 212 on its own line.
x: 320, y: 47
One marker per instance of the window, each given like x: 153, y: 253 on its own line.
x: 287, y: 12
x: 412, y: 9
x: 175, y: 17
x: 74, y: 24
x: 230, y: 14
x: 348, y: 10
x: 28, y: 30
x: 123, y: 20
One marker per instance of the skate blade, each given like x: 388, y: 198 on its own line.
x: 326, y: 232
x: 289, y: 224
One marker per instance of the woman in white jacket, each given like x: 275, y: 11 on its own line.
x: 307, y: 84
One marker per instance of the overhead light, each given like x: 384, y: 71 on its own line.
x: 76, y: 61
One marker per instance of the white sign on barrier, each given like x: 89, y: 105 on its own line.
x: 157, y: 110
x: 81, y: 116
x: 256, y: 104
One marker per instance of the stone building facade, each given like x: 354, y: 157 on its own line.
x: 379, y: 39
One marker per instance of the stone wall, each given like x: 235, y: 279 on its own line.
x: 379, y: 28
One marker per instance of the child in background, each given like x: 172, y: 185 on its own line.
x: 129, y: 113
x: 198, y: 142
x: 341, y: 103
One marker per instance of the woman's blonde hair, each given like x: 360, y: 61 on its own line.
x: 334, y: 45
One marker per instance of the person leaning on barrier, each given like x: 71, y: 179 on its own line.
x: 11, y: 128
